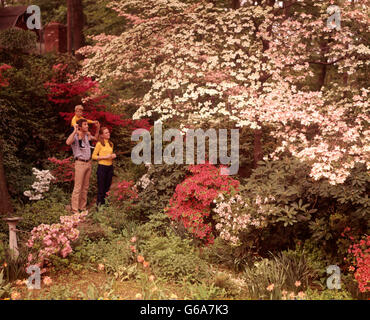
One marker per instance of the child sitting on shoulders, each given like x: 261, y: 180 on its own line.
x: 78, y: 115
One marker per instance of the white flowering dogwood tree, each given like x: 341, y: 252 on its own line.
x: 263, y: 65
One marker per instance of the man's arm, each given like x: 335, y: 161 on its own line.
x: 71, y: 137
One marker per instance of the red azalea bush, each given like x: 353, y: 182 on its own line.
x: 191, y: 203
x: 360, y: 258
x: 63, y: 170
x: 64, y: 89
x: 124, y: 190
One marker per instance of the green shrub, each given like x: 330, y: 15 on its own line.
x: 232, y: 257
x: 113, y: 253
x: 18, y: 39
x: 42, y: 211
x: 157, y: 194
x: 291, y: 206
x: 158, y: 224
x: 173, y: 258
x: 114, y: 218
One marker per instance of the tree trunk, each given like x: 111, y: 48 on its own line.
x: 78, y: 24
x: 69, y: 27
x: 75, y: 24
x: 257, y: 151
x: 235, y: 4
x: 5, y: 203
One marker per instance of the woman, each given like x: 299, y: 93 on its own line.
x: 103, y: 153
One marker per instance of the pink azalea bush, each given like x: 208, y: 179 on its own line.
x: 48, y: 240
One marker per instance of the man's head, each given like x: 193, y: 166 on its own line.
x: 83, y: 125
x: 79, y: 110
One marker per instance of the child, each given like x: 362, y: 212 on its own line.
x: 78, y: 115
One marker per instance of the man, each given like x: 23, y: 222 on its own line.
x: 79, y: 140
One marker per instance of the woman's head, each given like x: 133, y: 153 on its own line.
x: 104, y: 134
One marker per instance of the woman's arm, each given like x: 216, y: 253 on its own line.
x: 95, y: 154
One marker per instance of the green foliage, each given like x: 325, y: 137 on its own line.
x: 18, y: 39
x: 100, y: 19
x: 112, y: 219
x: 156, y: 196
x: 281, y: 271
x: 5, y: 288
x: 57, y: 292
x: 30, y: 125
x: 15, y: 268
x: 223, y: 280
x: 113, y: 253
x: 221, y: 252
x: 173, y: 258
x: 153, y: 289
x: 99, y: 293
x: 328, y: 294
x: 159, y: 224
x: 42, y: 211
x: 261, y: 275
x: 205, y: 291
x: 296, y: 268
x: 295, y: 207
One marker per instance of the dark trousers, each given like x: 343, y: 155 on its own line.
x: 105, y: 175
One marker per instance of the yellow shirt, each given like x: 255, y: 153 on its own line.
x: 76, y: 118
x: 102, y: 151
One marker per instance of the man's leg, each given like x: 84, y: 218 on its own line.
x: 85, y: 185
x: 79, y: 177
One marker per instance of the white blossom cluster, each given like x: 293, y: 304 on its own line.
x: 144, y: 181
x: 41, y: 185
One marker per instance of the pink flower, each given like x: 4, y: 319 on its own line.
x: 297, y: 283
x: 15, y: 295
x: 47, y: 281
x: 100, y: 267
x: 140, y: 259
x: 133, y: 239
x: 270, y: 287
